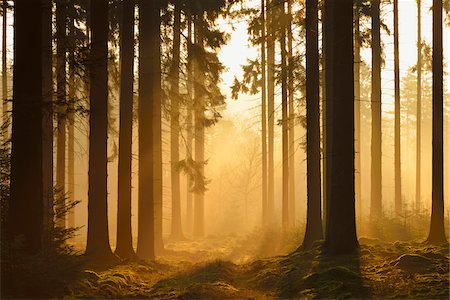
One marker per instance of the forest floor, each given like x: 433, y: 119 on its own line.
x: 236, y: 268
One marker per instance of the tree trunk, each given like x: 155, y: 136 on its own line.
x: 398, y: 177
x: 357, y: 63
x: 437, y: 230
x: 47, y: 115
x: 419, y: 107
x: 270, y: 112
x: 26, y: 202
x: 61, y: 40
x: 292, y: 215
x: 263, y: 114
x: 340, y: 226
x: 375, y: 200
x: 98, y: 247
x: 4, y: 67
x: 199, y: 114
x: 189, y: 128
x: 71, y: 116
x: 175, y: 125
x: 150, y: 185
x: 284, y: 125
x: 124, y: 246
x: 314, y: 210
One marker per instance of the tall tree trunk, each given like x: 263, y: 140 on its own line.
x: 199, y: 114
x: 340, y: 226
x: 270, y: 112
x: 98, y: 247
x: 437, y: 230
x: 26, y: 202
x: 189, y: 129
x: 314, y: 210
x: 284, y: 124
x: 124, y: 246
x: 357, y: 63
x: 292, y: 215
x: 150, y: 185
x: 375, y: 200
x: 263, y: 114
x: 419, y: 107
x: 398, y: 174
x: 61, y: 40
x: 71, y: 115
x: 175, y: 125
x: 47, y: 115
x: 4, y: 67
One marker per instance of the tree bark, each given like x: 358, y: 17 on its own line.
x: 340, y: 226
x: 375, y: 199
x: 175, y: 125
x: 437, y: 230
x: 270, y: 112
x: 314, y: 210
x: 26, y: 203
x: 98, y: 247
x: 124, y: 247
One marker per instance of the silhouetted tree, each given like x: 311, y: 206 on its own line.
x: 97, y: 236
x: 314, y: 211
x: 71, y: 44
x: 124, y: 246
x: 375, y: 194
x: 26, y: 203
x: 264, y: 114
x: 437, y: 230
x: 340, y: 235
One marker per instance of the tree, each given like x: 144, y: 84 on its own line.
x: 375, y: 194
x: 124, y: 246
x: 150, y: 172
x: 4, y: 68
x: 314, y: 210
x: 284, y: 121
x: 291, y: 193
x: 398, y: 177
x: 263, y: 114
x: 189, y: 127
x: 437, y: 230
x: 26, y: 203
x: 175, y: 123
x: 47, y: 114
x: 270, y: 110
x: 71, y: 43
x: 358, y: 111
x: 419, y: 106
x: 98, y: 247
x: 61, y: 94
x: 340, y: 226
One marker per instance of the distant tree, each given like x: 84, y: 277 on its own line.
x: 270, y: 110
x: 340, y: 237
x: 264, y: 114
x: 398, y: 174
x: 437, y: 230
x: 419, y: 106
x: 150, y: 172
x: 47, y: 114
x: 375, y: 195
x: 98, y: 247
x: 61, y: 101
x: 290, y: 64
x: 26, y: 205
x: 124, y: 246
x: 175, y: 123
x: 314, y: 211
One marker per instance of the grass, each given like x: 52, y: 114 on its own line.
x: 380, y: 270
